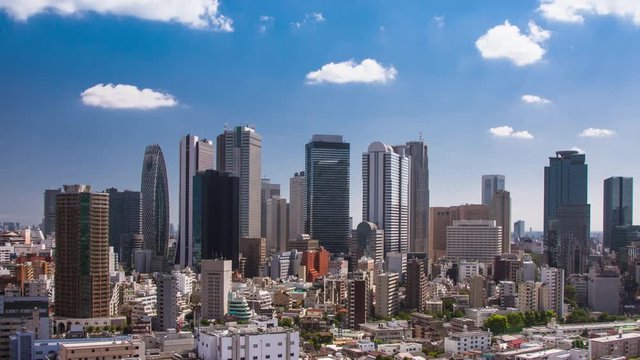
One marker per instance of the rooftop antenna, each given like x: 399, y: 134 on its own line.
x: 420, y: 135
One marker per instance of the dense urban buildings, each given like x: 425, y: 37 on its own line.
x: 442, y: 217
x: 327, y: 159
x: 155, y: 205
x: 479, y: 240
x: 617, y: 207
x: 490, y: 185
x: 195, y: 155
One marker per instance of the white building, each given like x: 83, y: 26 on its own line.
x: 386, y: 294
x: 552, y: 294
x: 467, y: 341
x: 297, y: 204
x: 392, y: 349
x: 528, y: 296
x: 467, y: 270
x: 479, y: 240
x: 397, y: 262
x: 248, y: 343
x: 215, y: 280
x: 604, y: 287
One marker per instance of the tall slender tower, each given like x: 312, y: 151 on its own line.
x: 82, y: 253
x: 195, y: 155
x: 267, y: 191
x: 490, y: 185
x: 155, y: 205
x: 618, y: 206
x: 385, y: 194
x: 125, y: 217
x: 297, y: 204
x: 500, y: 211
x: 49, y: 219
x: 240, y: 153
x: 327, y: 160
x: 277, y: 231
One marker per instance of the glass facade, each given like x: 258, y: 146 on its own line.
x: 618, y: 207
x: 155, y: 204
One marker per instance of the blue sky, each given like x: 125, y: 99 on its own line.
x: 432, y: 78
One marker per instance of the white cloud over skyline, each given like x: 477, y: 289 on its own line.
x: 597, y: 133
x: 122, y: 96
x: 506, y: 41
x: 200, y: 14
x: 367, y: 71
x: 573, y: 11
x: 535, y: 99
x: 507, y: 131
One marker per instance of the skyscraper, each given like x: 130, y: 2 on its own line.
x: 327, y: 169
x: 518, y: 229
x: 49, y: 219
x: 618, y: 207
x: 479, y: 240
x: 254, y: 250
x: 368, y: 241
x: 277, y: 211
x: 167, y: 302
x: 125, y: 216
x: 385, y: 194
x: 500, y: 211
x: 155, y: 205
x: 195, y: 155
x: 217, y: 221
x: 240, y: 152
x: 417, y: 292
x: 418, y: 195
x: 82, y: 253
x: 267, y: 191
x: 491, y: 184
x: 297, y: 204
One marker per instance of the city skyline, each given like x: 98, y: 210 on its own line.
x: 498, y: 104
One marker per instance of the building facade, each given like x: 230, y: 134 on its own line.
x: 125, y: 217
x: 618, y: 207
x: 215, y: 280
x: 49, y: 219
x: 479, y: 240
x: 500, y: 211
x: 297, y: 204
x: 155, y: 205
x: 490, y: 185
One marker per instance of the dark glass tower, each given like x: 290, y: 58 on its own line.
x: 155, y: 205
x: 216, y: 217
x: 125, y: 216
x: 618, y: 207
x: 327, y: 168
x: 49, y: 219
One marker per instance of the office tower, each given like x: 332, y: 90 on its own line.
x: 518, y: 229
x: 303, y: 242
x: 217, y: 216
x: 316, y: 262
x: 125, y: 215
x: 500, y: 211
x: 297, y: 204
x: 49, y: 220
x: 359, y: 298
x: 386, y: 294
x: 565, y: 184
x: 479, y: 240
x: 476, y: 291
x: 166, y: 302
x: 215, y: 280
x: 397, y: 262
x: 552, y: 293
x: 618, y: 207
x: 195, y: 155
x: 490, y: 185
x: 155, y: 205
x: 417, y: 294
x: 418, y: 195
x: 276, y: 224
x: 442, y: 217
x: 240, y: 152
x: 267, y: 191
x: 385, y: 194
x: 82, y: 253
x: 327, y: 171
x: 367, y: 241
x: 571, y: 228
x: 255, y: 251
x: 129, y: 244
x: 604, y: 288
x: 623, y: 236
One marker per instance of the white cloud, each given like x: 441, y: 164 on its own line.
x: 312, y: 18
x: 573, y: 11
x: 507, y: 131
x: 123, y: 96
x: 597, y: 133
x: 368, y: 71
x: 316, y: 17
x: 534, y: 99
x: 507, y: 42
x: 201, y: 14
x: 439, y: 20
x: 266, y: 22
x: 575, y: 148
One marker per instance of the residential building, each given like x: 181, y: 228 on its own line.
x: 167, y: 302
x: 490, y: 185
x: 467, y: 270
x: 297, y: 205
x: 387, y: 331
x: 316, y: 262
x: 477, y: 293
x: 461, y: 342
x: 359, y: 298
x: 416, y: 288
x: 528, y: 296
x: 102, y: 349
x: 155, y: 206
x: 626, y: 346
x: 479, y: 240
x: 552, y: 293
x: 387, y: 299
x: 215, y: 280
x: 618, y: 207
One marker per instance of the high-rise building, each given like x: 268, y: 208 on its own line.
x: 367, y: 241
x: 490, y: 185
x: 327, y: 169
x: 359, y: 299
x: 442, y: 217
x: 417, y: 294
x: 385, y: 194
x: 618, y: 207
x: 528, y: 296
x: 500, y: 211
x: 125, y: 216
x: 240, y: 152
x: 518, y: 229
x: 195, y: 155
x: 571, y: 232
x: 49, y: 219
x: 254, y: 250
x: 565, y: 184
x: 479, y: 240
x: 215, y: 280
x: 166, y: 302
x: 297, y: 205
x: 155, y: 205
x: 82, y: 253
x: 552, y: 293
x: 418, y: 195
x: 276, y: 224
x: 477, y: 293
x: 217, y: 216
x: 267, y: 191
x: 386, y: 294
x: 604, y: 288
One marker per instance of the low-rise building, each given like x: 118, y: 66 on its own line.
x: 391, y: 330
x: 627, y: 345
x: 248, y: 342
x: 467, y: 341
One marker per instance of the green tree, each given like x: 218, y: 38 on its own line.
x: 578, y: 316
x: 90, y: 329
x: 570, y: 295
x: 516, y: 320
x: 205, y: 322
x: 285, y: 322
x: 498, y: 324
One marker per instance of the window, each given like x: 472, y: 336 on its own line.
x: 255, y: 346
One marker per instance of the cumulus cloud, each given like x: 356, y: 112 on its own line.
x: 506, y: 41
x: 123, y: 96
x: 439, y: 20
x: 368, y: 71
x: 573, y: 11
x: 597, y: 133
x: 201, y: 14
x: 534, y: 99
x: 312, y: 18
x: 507, y: 131
x: 266, y: 22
